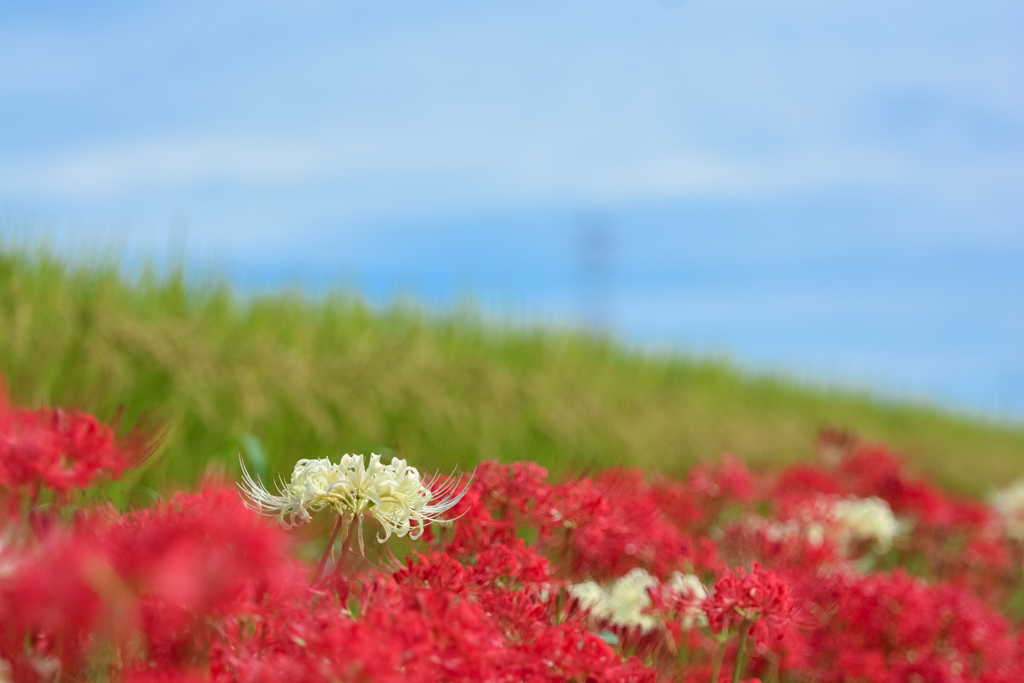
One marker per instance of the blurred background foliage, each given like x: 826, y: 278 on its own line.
x: 281, y: 376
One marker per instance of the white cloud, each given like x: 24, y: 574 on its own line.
x: 463, y: 108
x: 163, y: 165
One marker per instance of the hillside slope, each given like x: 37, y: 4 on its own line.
x: 291, y: 377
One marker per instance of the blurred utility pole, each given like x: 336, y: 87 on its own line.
x: 595, y: 249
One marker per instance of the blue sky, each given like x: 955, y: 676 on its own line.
x: 831, y: 188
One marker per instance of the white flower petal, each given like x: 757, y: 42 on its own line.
x: 393, y: 494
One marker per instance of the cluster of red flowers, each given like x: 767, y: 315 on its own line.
x: 846, y: 570
x: 54, y: 449
x: 758, y: 599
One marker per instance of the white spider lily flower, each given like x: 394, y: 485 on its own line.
x: 776, y: 531
x: 393, y: 494
x: 689, y: 587
x: 1009, y: 506
x: 866, y: 519
x: 590, y: 596
x: 815, y: 534
x: 624, y: 601
x: 628, y: 597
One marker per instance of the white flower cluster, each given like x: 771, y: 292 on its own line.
x: 1009, y: 505
x: 393, y: 494
x: 623, y: 603
x: 866, y: 519
x: 775, y: 531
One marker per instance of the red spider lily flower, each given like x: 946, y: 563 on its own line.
x: 164, y: 674
x: 50, y: 604
x: 598, y: 528
x: 194, y: 557
x: 409, y: 631
x: 499, y: 498
x: 806, y: 481
x: 759, y: 598
x: 157, y: 578
x: 62, y: 450
x: 728, y: 481
x: 892, y: 626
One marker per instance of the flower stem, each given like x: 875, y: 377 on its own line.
x: 327, y: 550
x: 773, y: 670
x: 741, y: 652
x: 719, y: 656
x: 348, y: 541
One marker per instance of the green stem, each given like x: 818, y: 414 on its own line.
x: 719, y: 656
x: 741, y: 652
x: 327, y: 550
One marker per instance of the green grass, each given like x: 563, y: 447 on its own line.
x: 298, y: 377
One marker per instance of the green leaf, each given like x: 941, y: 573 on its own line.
x: 254, y: 454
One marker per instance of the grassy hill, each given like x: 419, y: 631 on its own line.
x: 284, y: 376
